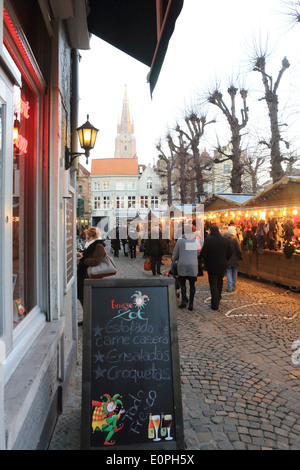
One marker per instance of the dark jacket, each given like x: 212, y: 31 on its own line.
x: 215, y: 253
x: 154, y: 247
x: 133, y: 240
x: 91, y: 256
x: 236, y: 256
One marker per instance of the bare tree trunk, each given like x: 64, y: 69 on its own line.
x: 196, y: 127
x: 271, y: 98
x: 167, y: 172
x: 216, y: 98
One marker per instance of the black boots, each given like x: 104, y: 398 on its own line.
x: 184, y: 298
x: 192, y: 295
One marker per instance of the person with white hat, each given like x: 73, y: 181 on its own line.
x: 233, y: 262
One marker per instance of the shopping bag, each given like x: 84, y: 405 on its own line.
x: 106, y: 268
x: 147, y: 264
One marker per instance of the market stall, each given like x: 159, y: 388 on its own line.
x: 221, y: 209
x: 269, y: 230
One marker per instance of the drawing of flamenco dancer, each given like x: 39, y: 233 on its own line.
x: 106, y: 414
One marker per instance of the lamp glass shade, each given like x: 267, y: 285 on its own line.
x: 87, y: 134
x: 16, y: 130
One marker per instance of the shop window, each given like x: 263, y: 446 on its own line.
x: 1, y: 207
x: 24, y: 203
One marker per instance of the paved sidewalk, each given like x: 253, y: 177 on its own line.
x: 240, y: 373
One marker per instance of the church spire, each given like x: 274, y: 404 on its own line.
x: 125, y: 145
x: 125, y: 125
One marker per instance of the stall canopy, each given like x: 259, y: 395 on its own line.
x: 140, y: 28
x: 219, y: 202
x: 285, y: 192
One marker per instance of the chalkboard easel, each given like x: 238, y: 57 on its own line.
x: 131, y: 393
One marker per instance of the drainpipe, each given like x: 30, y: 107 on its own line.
x: 75, y: 56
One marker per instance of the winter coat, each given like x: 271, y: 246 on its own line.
x: 215, y: 253
x: 236, y: 256
x: 186, y: 252
x: 92, y: 256
x: 154, y: 247
x: 133, y: 239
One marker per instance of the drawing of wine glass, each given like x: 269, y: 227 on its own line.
x: 156, y: 421
x: 168, y: 421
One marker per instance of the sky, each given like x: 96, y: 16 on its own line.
x: 211, y: 44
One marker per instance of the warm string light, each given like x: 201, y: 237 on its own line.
x: 262, y: 213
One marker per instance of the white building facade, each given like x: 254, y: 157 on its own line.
x: 122, y: 192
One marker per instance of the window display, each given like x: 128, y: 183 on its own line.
x: 24, y: 203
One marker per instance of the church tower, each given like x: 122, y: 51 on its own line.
x: 125, y: 144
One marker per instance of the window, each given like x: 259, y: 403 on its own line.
x: 131, y: 202
x: 97, y: 186
x: 106, y: 202
x: 131, y: 185
x: 2, y: 130
x: 24, y: 205
x: 154, y: 202
x: 144, y: 202
x: 120, y: 202
x: 105, y: 185
x: 97, y: 202
x: 149, y: 183
x: 120, y: 185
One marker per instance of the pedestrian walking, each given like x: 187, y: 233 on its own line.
x: 233, y: 262
x: 215, y: 253
x: 186, y: 253
x: 132, y: 242
x: 154, y: 248
x: 115, y: 242
x: 125, y: 246
x: 92, y: 255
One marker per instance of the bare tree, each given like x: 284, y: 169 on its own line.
x: 167, y: 170
x: 252, y: 164
x: 216, y: 98
x: 272, y: 101
x: 292, y: 10
x: 196, y: 126
x: 182, y: 163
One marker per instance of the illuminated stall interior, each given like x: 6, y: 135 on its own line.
x: 276, y: 206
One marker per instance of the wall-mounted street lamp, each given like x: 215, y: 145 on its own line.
x: 87, y: 134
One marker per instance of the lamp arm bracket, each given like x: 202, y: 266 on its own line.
x: 70, y: 157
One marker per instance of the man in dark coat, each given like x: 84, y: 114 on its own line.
x: 154, y: 248
x: 216, y: 252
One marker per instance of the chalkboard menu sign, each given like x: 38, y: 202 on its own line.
x: 131, y: 394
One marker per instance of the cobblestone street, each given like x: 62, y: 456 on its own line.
x: 240, y: 368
